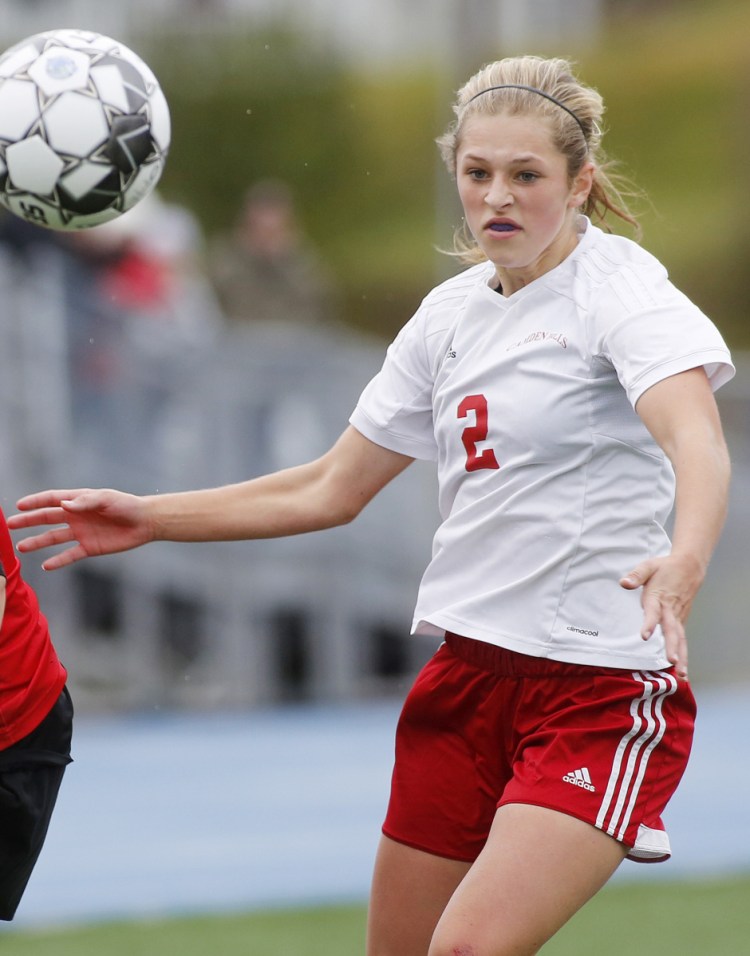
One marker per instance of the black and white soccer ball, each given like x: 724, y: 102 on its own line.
x: 84, y: 129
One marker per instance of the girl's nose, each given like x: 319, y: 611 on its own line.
x: 498, y: 194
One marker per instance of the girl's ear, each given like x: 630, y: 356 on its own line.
x: 582, y: 185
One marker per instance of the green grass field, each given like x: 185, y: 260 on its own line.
x: 668, y: 919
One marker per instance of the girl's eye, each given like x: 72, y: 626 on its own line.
x: 528, y: 177
x: 478, y: 174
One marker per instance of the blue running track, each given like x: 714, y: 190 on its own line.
x: 169, y: 814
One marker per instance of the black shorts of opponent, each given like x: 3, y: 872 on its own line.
x: 31, y: 771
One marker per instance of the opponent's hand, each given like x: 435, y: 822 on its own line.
x: 669, y: 586
x: 92, y: 521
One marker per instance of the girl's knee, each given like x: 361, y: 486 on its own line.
x: 446, y: 948
x: 446, y: 942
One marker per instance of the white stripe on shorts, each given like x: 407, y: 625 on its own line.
x: 638, y: 744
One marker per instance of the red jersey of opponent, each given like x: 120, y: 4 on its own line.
x: 31, y: 675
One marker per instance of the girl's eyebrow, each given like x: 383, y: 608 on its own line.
x: 515, y: 161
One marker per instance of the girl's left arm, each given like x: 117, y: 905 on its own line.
x: 681, y: 414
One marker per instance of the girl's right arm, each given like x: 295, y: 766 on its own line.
x: 330, y: 491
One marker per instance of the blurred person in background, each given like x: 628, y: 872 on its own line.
x: 266, y: 271
x: 149, y: 266
x: 141, y: 313
x: 564, y: 387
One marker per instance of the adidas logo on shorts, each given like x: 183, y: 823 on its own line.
x: 580, y: 778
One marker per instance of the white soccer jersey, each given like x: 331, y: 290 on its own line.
x: 550, y: 486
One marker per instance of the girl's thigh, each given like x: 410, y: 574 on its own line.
x: 410, y: 890
x: 537, y: 869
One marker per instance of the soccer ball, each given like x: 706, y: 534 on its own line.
x: 84, y: 129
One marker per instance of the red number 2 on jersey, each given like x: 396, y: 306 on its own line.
x: 475, y: 433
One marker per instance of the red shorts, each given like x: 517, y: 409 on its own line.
x: 484, y: 726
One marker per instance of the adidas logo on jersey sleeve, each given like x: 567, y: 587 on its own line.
x: 580, y: 778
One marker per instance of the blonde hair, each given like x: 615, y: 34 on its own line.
x: 574, y: 112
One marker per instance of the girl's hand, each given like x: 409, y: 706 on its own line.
x: 669, y: 586
x: 93, y: 522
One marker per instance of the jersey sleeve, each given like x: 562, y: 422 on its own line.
x: 649, y: 330
x: 395, y: 408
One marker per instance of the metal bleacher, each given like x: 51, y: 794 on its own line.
x: 322, y: 616
x: 236, y: 625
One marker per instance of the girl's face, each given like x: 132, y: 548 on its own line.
x: 517, y: 197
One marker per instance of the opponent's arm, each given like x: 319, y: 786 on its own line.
x: 2, y: 592
x: 330, y: 491
x: 681, y: 414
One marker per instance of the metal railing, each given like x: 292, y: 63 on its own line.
x: 322, y: 616
x: 229, y: 624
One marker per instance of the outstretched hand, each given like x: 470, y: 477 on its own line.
x: 92, y: 521
x: 669, y: 586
